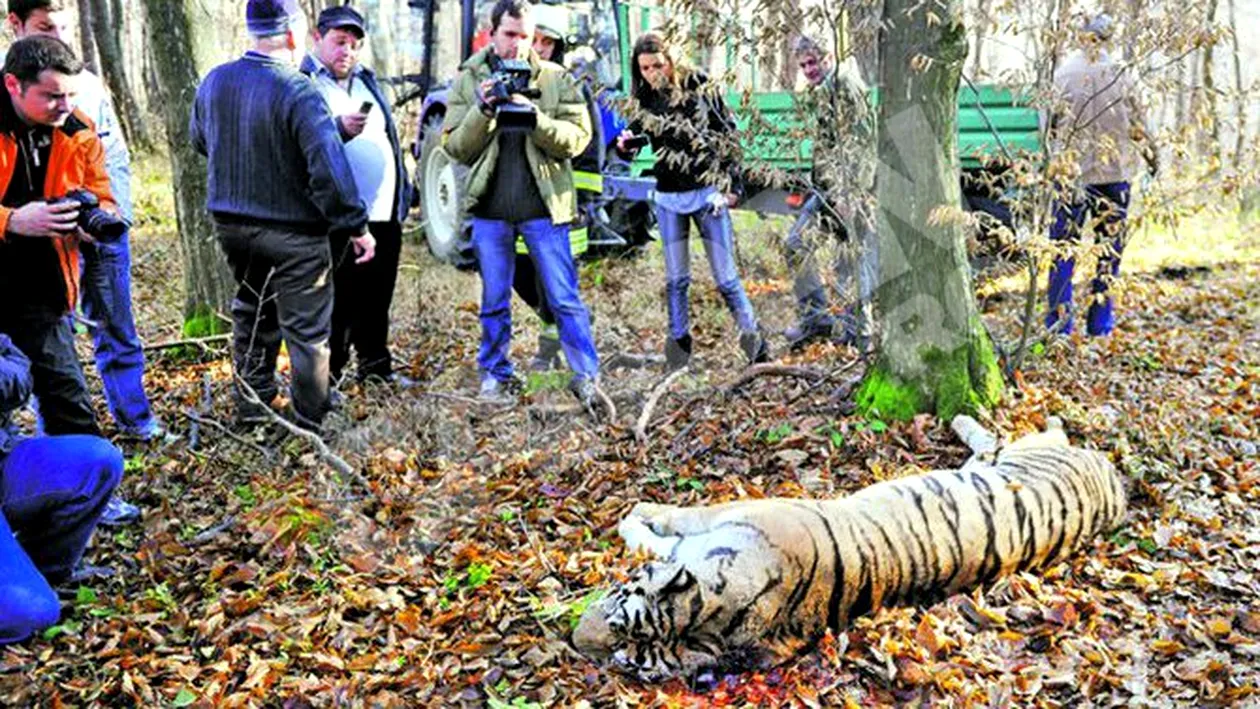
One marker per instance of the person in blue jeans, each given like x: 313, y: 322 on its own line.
x: 683, y: 116
x: 1096, y: 116
x: 105, y: 286
x: 521, y: 181
x: 53, y: 490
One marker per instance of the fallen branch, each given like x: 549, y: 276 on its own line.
x: 204, y: 421
x: 208, y: 535
x: 829, y: 377
x: 197, y: 341
x: 626, y: 360
x: 537, y: 548
x: 775, y: 370
x: 608, y: 403
x: 640, y: 426
x: 450, y: 397
x: 333, y: 460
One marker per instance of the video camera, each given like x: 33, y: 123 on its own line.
x: 510, y: 77
x: 98, y: 223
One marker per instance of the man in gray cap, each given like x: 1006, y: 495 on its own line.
x: 279, y: 187
x: 364, y: 292
x: 1098, y: 122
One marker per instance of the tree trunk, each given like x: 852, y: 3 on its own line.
x: 982, y: 29
x: 933, y: 352
x: 87, y: 43
x: 1240, y: 95
x: 1209, y: 88
x: 114, y: 73
x: 208, y: 283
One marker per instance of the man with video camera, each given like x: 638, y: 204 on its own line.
x: 518, y: 122
x: 48, y: 150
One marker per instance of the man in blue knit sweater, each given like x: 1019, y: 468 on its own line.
x: 279, y: 186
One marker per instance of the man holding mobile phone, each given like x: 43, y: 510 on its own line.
x: 362, y: 293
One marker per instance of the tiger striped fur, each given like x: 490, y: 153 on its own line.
x: 762, y: 579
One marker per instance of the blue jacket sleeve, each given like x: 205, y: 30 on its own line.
x: 15, y: 376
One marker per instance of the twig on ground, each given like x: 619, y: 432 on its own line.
x: 775, y: 370
x: 449, y: 397
x: 208, y: 535
x: 628, y: 360
x: 197, y: 341
x: 640, y: 426
x: 607, y: 402
x: 537, y: 548
x: 333, y: 460
x: 830, y: 377
x: 196, y: 419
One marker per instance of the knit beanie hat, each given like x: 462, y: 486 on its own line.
x: 269, y: 17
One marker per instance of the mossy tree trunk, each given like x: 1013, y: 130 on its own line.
x: 114, y: 73
x: 932, y: 354
x: 175, y: 50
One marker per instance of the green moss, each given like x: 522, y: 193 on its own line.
x: 959, y: 382
x: 886, y: 396
x: 204, y: 322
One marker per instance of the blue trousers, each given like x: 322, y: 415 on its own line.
x: 494, y: 243
x: 52, y: 492
x: 106, y: 289
x: 1108, y: 205
x: 717, y: 233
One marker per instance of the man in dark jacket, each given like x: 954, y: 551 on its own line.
x: 53, y: 490
x: 364, y: 292
x: 279, y: 188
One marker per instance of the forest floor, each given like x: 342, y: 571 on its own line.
x: 261, y: 577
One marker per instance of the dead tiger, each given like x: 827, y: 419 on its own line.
x: 764, y: 578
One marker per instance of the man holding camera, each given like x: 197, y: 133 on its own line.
x: 518, y: 121
x: 47, y: 150
x: 106, y: 282
x: 279, y: 189
x: 362, y: 292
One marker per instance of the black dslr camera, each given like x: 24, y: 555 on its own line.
x: 98, y: 223
x: 511, y: 76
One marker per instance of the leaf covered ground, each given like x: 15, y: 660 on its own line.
x: 259, y: 577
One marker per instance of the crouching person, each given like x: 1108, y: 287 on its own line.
x: 53, y: 490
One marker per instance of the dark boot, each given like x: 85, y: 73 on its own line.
x: 548, y: 355
x: 677, y: 353
x: 808, y: 331
x: 754, y: 346
x: 584, y: 389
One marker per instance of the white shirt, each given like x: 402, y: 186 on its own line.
x: 370, y: 153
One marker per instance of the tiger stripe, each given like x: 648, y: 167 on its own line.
x: 741, y: 575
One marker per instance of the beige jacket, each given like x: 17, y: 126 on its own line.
x: 1097, y: 117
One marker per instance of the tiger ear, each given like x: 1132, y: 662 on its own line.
x: 681, y: 581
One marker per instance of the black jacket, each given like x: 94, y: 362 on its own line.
x: 693, y: 135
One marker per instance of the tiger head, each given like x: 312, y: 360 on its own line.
x: 656, y: 626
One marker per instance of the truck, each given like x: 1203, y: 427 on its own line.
x: 613, y: 194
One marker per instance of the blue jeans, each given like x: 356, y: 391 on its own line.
x: 494, y: 243
x: 1108, y: 204
x: 106, y: 288
x: 718, y: 236
x: 52, y: 492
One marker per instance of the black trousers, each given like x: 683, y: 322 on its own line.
x: 283, y: 292
x: 64, y: 402
x: 363, y: 295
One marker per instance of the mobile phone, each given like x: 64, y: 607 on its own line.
x: 636, y: 142
x: 365, y: 107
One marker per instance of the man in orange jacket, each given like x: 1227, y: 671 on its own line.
x: 47, y: 149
